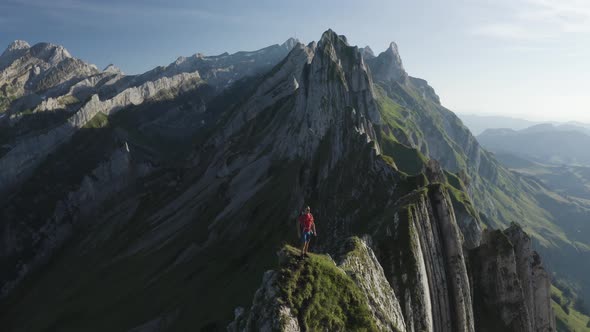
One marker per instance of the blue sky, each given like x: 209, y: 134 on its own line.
x: 521, y: 58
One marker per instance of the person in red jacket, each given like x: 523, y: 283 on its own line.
x: 306, y: 229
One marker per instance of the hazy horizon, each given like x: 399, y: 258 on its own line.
x: 523, y: 59
x: 516, y: 117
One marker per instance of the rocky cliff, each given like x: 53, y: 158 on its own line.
x: 511, y: 285
x: 356, y: 292
x: 497, y: 286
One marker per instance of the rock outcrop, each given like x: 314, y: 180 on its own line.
x: 15, y: 50
x: 535, y: 281
x: 361, y: 264
x: 268, y: 312
x: 423, y: 258
x: 273, y: 308
x: 511, y: 288
x: 388, y: 66
x: 112, y: 69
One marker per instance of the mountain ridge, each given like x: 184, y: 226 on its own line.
x: 317, y: 128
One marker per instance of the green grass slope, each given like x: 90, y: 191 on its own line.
x: 323, y: 296
x: 568, y: 319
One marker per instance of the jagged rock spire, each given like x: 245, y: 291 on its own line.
x: 13, y: 51
x: 290, y: 43
x: 112, y: 69
x: 388, y: 65
x: 17, y: 45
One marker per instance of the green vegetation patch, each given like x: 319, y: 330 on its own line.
x: 567, y: 318
x: 407, y: 159
x: 100, y: 120
x: 323, y: 297
x: 68, y: 100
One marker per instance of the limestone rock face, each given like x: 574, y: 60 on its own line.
x: 428, y: 265
x: 15, y: 50
x: 26, y: 154
x: 388, y: 66
x: 289, y: 44
x: 46, y: 80
x: 534, y: 280
x: 109, y: 177
x: 25, y: 70
x: 543, y: 315
x: 271, y: 312
x: 328, y: 84
x: 498, y: 285
x: 361, y: 264
x: 268, y: 312
x: 511, y: 286
x: 426, y: 90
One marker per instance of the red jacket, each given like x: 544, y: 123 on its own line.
x: 306, y: 221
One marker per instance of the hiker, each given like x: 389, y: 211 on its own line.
x: 306, y: 230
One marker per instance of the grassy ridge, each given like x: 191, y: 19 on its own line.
x: 323, y: 297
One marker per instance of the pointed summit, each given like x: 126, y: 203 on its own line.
x: 112, y: 69
x: 290, y: 43
x: 15, y: 50
x: 332, y: 37
x: 392, y: 52
x: 388, y: 65
x: 392, y: 48
x: 18, y: 45
x: 50, y: 53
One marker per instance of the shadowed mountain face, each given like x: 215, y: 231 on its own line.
x: 161, y: 200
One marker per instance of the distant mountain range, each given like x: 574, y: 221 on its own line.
x: 544, y: 143
x: 479, y: 123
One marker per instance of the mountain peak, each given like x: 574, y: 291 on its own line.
x: 388, y: 65
x: 16, y: 49
x: 392, y: 54
x: 50, y: 53
x: 332, y: 37
x: 112, y: 69
x: 18, y: 45
x: 290, y: 43
x: 328, y: 35
x: 392, y: 49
